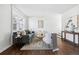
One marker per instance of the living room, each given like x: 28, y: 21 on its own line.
x: 40, y: 20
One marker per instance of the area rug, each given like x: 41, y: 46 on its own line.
x: 37, y: 44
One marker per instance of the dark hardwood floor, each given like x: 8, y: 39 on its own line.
x: 64, y: 49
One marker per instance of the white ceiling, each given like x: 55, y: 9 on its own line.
x: 44, y: 8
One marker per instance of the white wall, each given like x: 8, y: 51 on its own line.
x: 70, y: 13
x: 52, y: 23
x: 5, y: 26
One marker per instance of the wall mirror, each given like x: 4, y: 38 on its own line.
x: 31, y: 25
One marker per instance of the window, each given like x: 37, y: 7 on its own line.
x: 40, y: 23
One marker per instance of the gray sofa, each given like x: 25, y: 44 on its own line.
x: 24, y: 39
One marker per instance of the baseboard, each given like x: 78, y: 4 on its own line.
x: 5, y: 48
